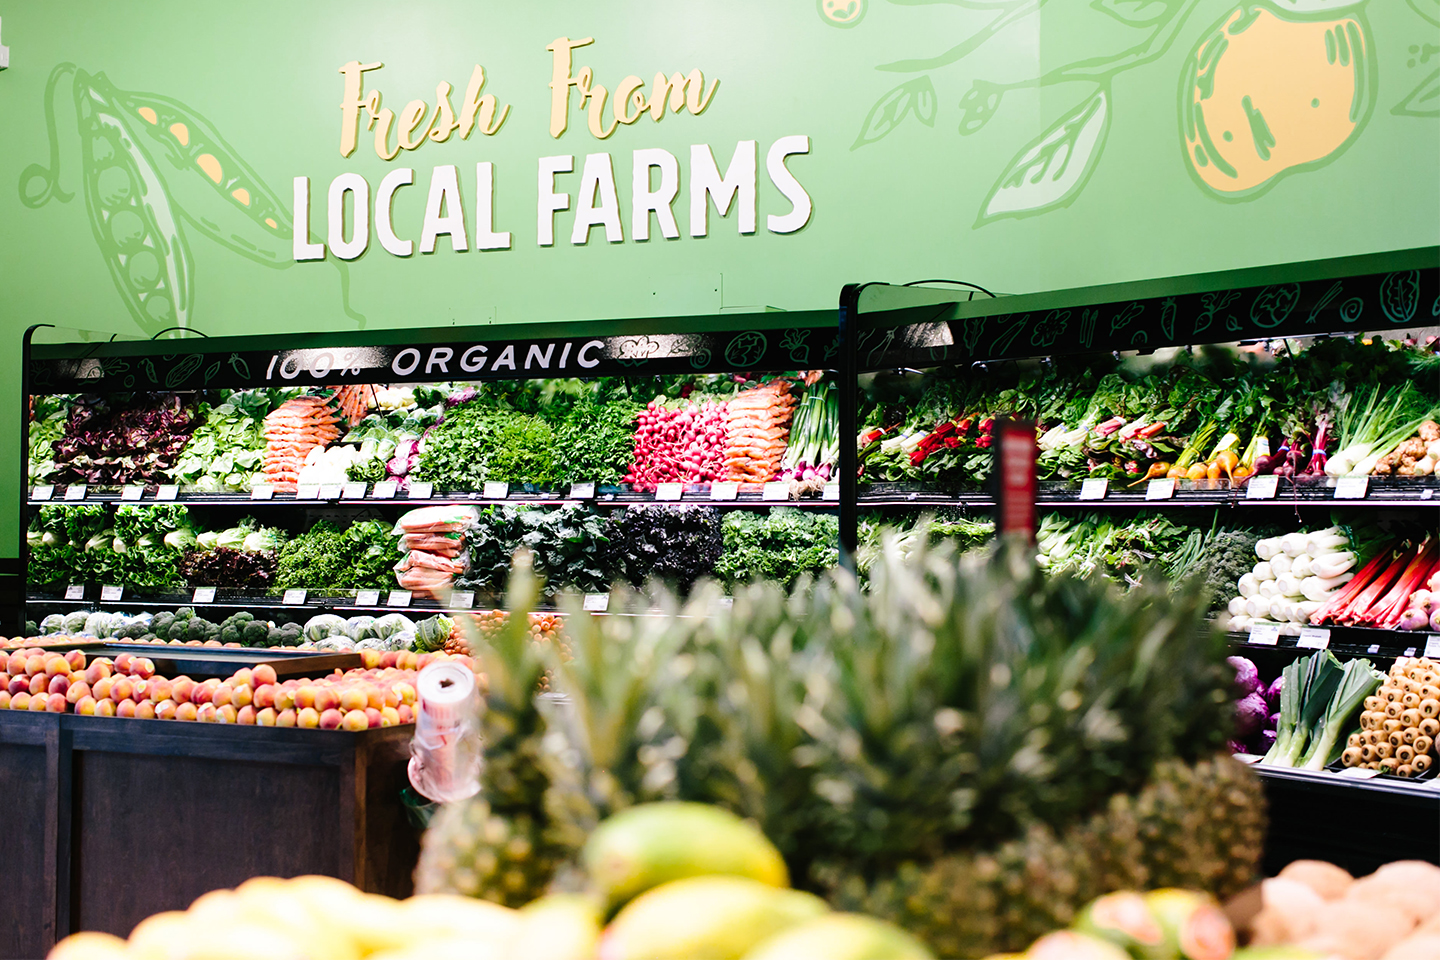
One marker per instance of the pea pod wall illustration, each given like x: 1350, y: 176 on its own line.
x: 149, y: 165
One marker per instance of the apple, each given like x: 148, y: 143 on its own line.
x: 308, y: 717
x: 76, y: 659
x: 85, y: 706
x: 145, y: 710
x: 286, y: 718
x: 181, y: 689
x: 353, y: 698
x: 104, y: 707
x: 20, y: 701
x: 186, y: 711
x: 39, y: 684
x: 125, y: 708
x: 122, y: 688
x: 207, y: 713
x: 142, y: 667
x: 305, y: 696
x: 165, y: 710
x: 222, y: 694
x: 331, y: 719
x: 123, y: 661
x: 227, y: 714
x: 242, y: 696
x: 97, y: 671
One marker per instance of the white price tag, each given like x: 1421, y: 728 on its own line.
x: 398, y: 598
x: 1373, y: 648
x: 203, y: 595
x: 1352, y: 488
x: 367, y: 598
x: 353, y: 491
x: 167, y: 491
x: 421, y: 491
x: 597, y: 602
x: 308, y: 491
x: 831, y: 492
x: 1265, y: 634
x: 111, y: 594
x: 724, y: 603
x: 1262, y: 488
x: 1359, y: 773
x: 496, y: 490
x: 331, y: 491
x: 1409, y: 651
x: 75, y: 591
x: 775, y: 490
x: 462, y: 600
x: 1160, y: 489
x: 1094, y: 489
x: 384, y: 490
x: 1426, y: 494
x: 724, y: 490
x: 582, y: 491
x: 43, y: 491
x: 132, y: 492
x: 669, y: 491
x: 1432, y: 646
x: 1313, y: 638
x: 76, y: 491
x: 262, y: 491
x: 294, y: 597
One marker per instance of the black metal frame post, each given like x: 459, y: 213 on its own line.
x: 849, y: 464
x: 23, y: 555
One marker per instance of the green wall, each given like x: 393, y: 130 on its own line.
x: 1325, y: 111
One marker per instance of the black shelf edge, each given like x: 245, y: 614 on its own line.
x: 1427, y: 790
x: 1348, y: 642
x: 693, y: 494
x: 1383, y: 492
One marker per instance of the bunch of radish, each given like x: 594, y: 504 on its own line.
x: 683, y: 444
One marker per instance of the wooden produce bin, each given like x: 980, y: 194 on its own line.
x: 110, y: 820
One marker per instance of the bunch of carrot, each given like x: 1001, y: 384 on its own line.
x: 292, y: 430
x: 757, y: 425
x: 355, y: 401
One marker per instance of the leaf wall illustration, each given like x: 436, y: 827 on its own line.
x: 1423, y: 101
x: 1052, y: 169
x: 915, y: 96
x: 1137, y: 13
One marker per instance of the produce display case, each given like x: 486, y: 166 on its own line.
x: 898, y: 334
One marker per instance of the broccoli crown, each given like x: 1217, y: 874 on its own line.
x: 1228, y: 556
x: 254, y: 633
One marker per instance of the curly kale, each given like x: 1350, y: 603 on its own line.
x: 678, y: 544
x: 781, y: 545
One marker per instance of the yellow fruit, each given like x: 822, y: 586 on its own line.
x: 154, y: 936
x: 1195, y: 926
x: 360, y: 922
x: 705, y: 918
x: 88, y: 946
x: 448, y: 949
x: 656, y: 843
x: 842, y: 936
x: 1268, y: 93
x: 558, y: 927
x: 1069, y: 945
x: 445, y: 916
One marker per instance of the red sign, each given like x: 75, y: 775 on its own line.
x: 1015, y: 468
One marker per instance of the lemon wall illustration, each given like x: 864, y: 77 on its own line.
x: 1267, y: 94
x: 1021, y: 144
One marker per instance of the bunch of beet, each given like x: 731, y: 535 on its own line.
x: 679, y: 445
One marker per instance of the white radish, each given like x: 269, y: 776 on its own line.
x: 1300, y: 566
x: 1280, y: 564
x: 1263, y: 571
x: 1293, y: 544
x: 1258, y: 607
x: 1237, y: 606
x: 1249, y: 586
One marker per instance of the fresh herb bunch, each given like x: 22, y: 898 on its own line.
x: 678, y: 544
x: 595, y: 439
x: 780, y: 545
x: 569, y: 547
x: 359, y: 557
x: 478, y: 441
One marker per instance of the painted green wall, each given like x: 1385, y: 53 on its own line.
x: 899, y: 191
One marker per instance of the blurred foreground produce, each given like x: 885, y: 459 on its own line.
x: 971, y: 749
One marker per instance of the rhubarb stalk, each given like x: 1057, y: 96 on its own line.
x: 1349, y: 590
x: 1372, y: 592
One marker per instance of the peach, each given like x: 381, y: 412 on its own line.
x: 20, y: 701
x: 4, y: 699
x: 207, y: 713
x: 18, y: 684
x: 56, y: 703
x: 374, y: 695
x: 308, y: 717
x: 76, y: 659
x: 372, y: 717
x: 186, y: 711
x: 165, y: 710
x: 243, y: 696
x: 85, y: 706
x: 389, y: 717
x: 286, y: 718
x: 96, y: 672
x: 425, y: 660
x: 285, y: 699
x: 243, y: 675
x: 408, y: 659
x: 40, y: 704
x: 407, y: 714
x: 387, y: 659
x: 4, y: 679
x: 181, y: 689
x: 265, y: 717
x: 39, y: 684
x: 353, y: 698
x: 145, y: 710
x: 331, y: 719
x: 264, y: 696
x: 102, y: 687
x: 211, y: 643
x: 142, y: 667
x: 55, y: 664
x: 406, y: 690
x: 204, y: 693
x: 140, y: 689
x: 370, y: 658
x: 222, y: 693
x: 125, y: 708
x: 123, y: 661
x: 34, y: 664
x: 157, y: 689
x: 262, y: 674
x: 78, y: 690
x: 59, y: 683
x: 354, y: 721
x: 305, y: 696
x: 15, y: 663
x: 245, y: 715
x: 327, y: 698
x: 104, y: 707
x: 227, y: 714
x: 122, y: 688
